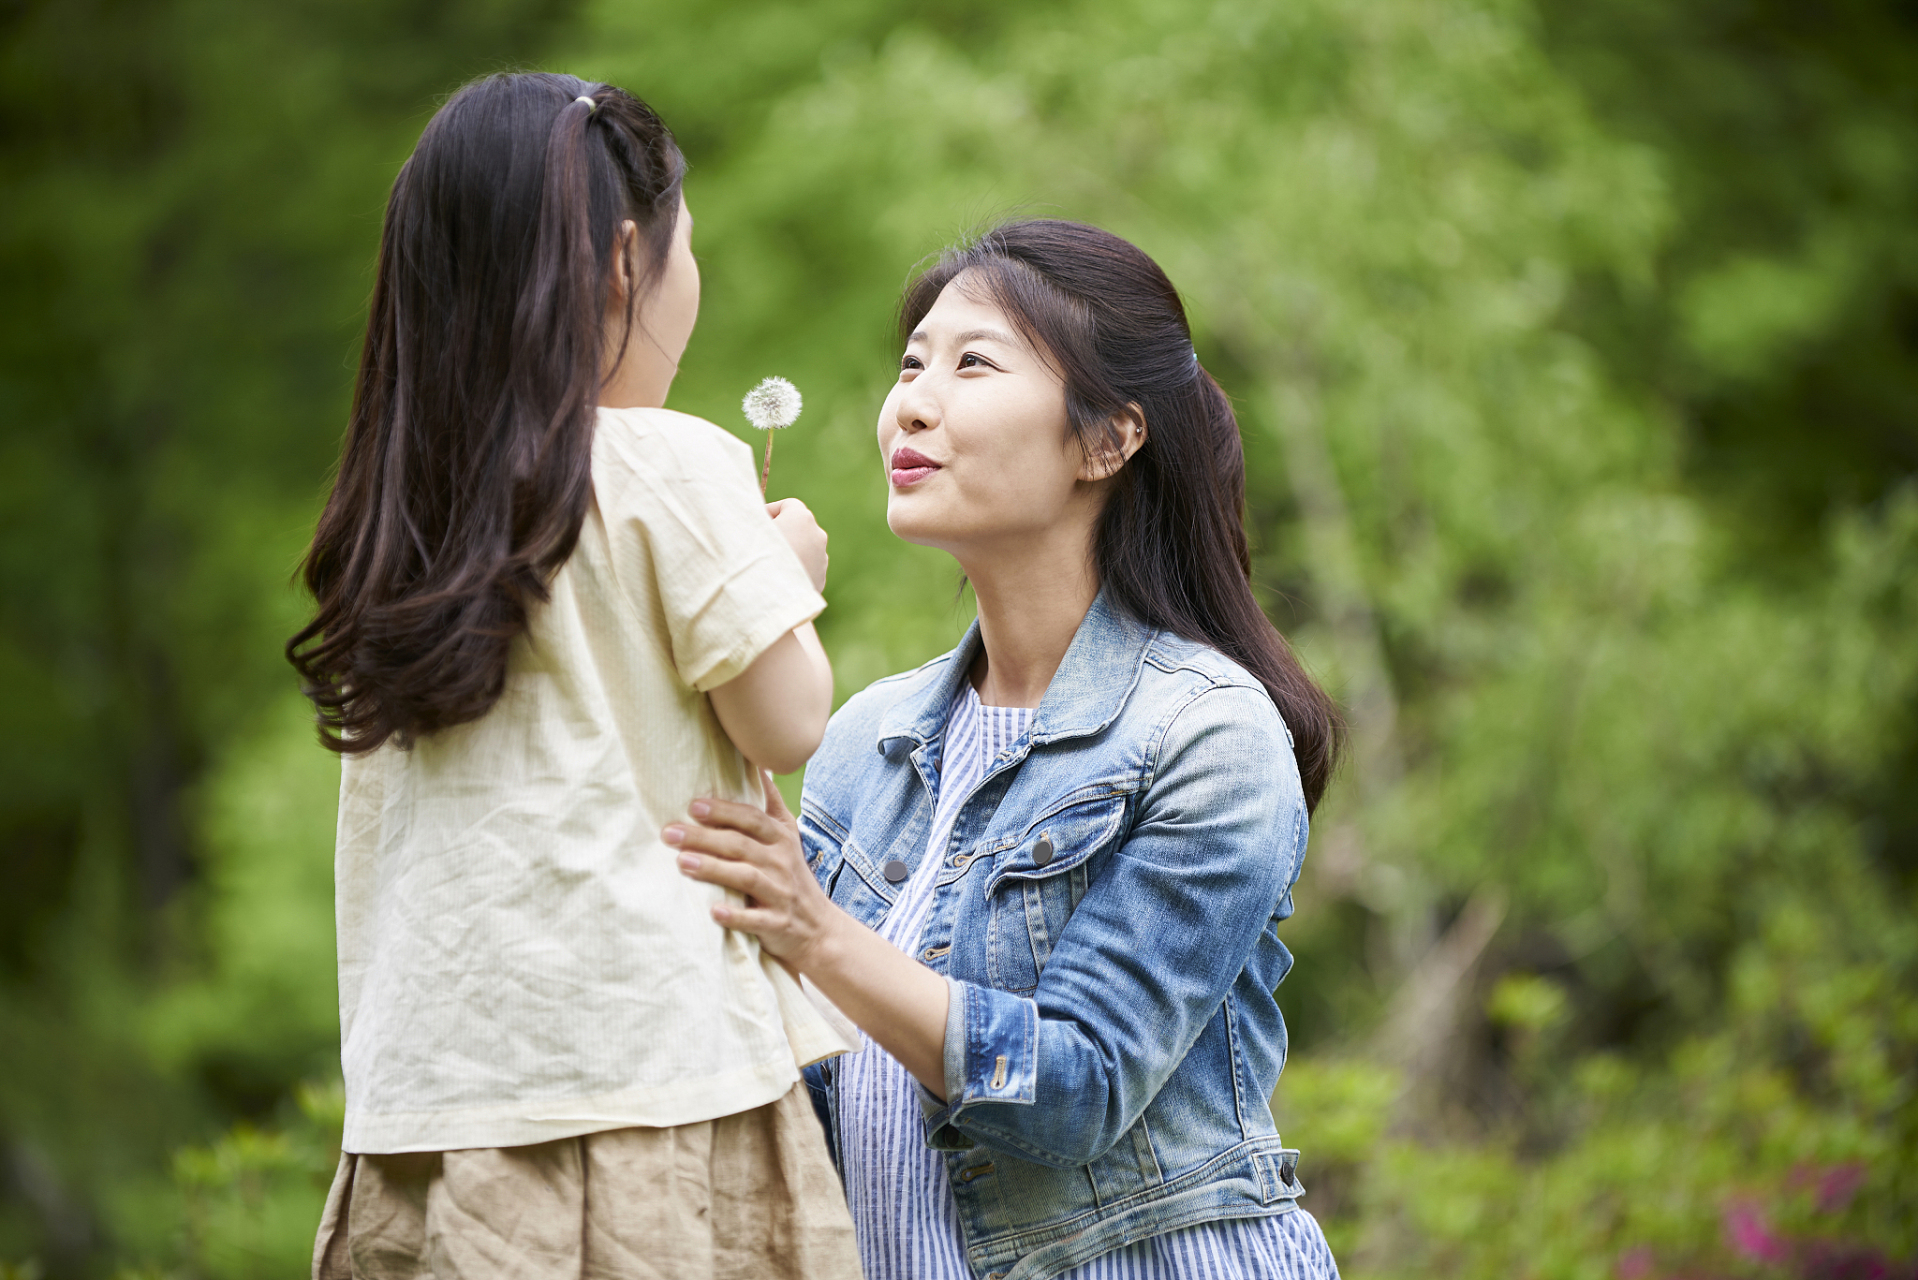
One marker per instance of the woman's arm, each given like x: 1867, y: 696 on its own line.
x: 1140, y: 969
x: 1148, y: 956
x: 899, y: 1002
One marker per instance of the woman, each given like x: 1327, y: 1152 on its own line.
x: 1046, y: 868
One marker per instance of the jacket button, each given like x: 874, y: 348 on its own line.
x: 1042, y: 852
x: 897, y: 871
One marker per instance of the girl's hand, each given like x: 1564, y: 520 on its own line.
x: 802, y: 533
x: 758, y: 853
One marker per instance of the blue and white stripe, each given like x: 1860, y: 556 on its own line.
x: 902, y: 1205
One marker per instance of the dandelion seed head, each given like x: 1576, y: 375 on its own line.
x: 773, y: 403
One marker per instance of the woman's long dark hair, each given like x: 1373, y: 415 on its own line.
x: 1170, y: 546
x: 468, y: 458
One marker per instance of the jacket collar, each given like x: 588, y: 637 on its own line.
x: 1087, y: 692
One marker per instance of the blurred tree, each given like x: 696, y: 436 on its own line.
x: 1785, y: 329
x: 1783, y: 336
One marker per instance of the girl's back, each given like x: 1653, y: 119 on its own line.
x: 520, y: 960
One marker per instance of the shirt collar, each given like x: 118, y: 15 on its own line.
x: 1087, y: 692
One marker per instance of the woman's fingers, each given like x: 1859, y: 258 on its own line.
x: 744, y: 818
x: 691, y: 836
x: 756, y: 852
x: 743, y: 876
x: 749, y: 919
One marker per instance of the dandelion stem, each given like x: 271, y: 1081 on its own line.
x: 766, y: 472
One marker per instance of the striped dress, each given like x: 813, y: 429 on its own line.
x: 902, y: 1206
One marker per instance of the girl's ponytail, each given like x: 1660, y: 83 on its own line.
x: 468, y: 459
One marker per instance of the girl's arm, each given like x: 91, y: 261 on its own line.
x: 775, y: 711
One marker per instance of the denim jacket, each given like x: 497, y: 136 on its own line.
x: 1105, y: 916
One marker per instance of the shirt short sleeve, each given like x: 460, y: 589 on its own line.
x: 728, y: 584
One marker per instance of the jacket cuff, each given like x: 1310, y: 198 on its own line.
x: 992, y: 1055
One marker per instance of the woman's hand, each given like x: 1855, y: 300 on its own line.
x: 758, y: 853
x: 795, y: 522
x: 896, y: 1000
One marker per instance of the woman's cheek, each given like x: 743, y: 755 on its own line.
x: 887, y: 431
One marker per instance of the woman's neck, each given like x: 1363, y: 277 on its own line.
x: 1031, y: 603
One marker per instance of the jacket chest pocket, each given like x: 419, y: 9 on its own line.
x: 820, y: 839
x: 1036, y: 883
x: 828, y: 849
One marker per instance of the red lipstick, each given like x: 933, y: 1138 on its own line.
x: 909, y: 467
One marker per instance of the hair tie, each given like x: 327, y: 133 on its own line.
x: 592, y: 104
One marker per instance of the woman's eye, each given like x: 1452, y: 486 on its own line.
x: 971, y: 361
x: 909, y: 363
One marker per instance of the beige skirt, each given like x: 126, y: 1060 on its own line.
x: 738, y: 1198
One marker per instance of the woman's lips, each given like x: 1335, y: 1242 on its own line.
x: 909, y: 467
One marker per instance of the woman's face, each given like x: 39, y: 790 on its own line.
x: 974, y: 437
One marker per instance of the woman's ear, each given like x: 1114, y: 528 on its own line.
x: 1124, y: 435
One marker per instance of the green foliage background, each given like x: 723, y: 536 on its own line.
x: 1574, y: 350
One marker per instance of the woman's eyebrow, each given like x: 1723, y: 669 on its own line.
x: 970, y: 335
x: 988, y: 335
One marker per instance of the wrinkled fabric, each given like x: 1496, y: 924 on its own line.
x: 1105, y: 910
x: 520, y: 958
x: 744, y: 1197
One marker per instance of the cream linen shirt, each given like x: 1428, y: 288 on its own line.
x: 520, y: 958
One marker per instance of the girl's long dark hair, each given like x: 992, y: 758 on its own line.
x: 1170, y: 546
x: 468, y: 458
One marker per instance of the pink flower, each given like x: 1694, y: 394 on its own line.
x: 1839, y: 1184
x: 1635, y: 1263
x: 1748, y: 1234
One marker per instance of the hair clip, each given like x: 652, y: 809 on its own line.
x: 592, y: 104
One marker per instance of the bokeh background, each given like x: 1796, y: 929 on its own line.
x: 1575, y: 344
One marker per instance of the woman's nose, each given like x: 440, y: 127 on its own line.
x: 917, y: 408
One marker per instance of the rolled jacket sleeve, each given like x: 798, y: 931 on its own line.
x: 1148, y: 956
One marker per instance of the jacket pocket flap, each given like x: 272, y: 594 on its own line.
x: 1062, y: 841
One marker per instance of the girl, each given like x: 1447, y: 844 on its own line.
x: 1051, y: 864
x: 549, y: 611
